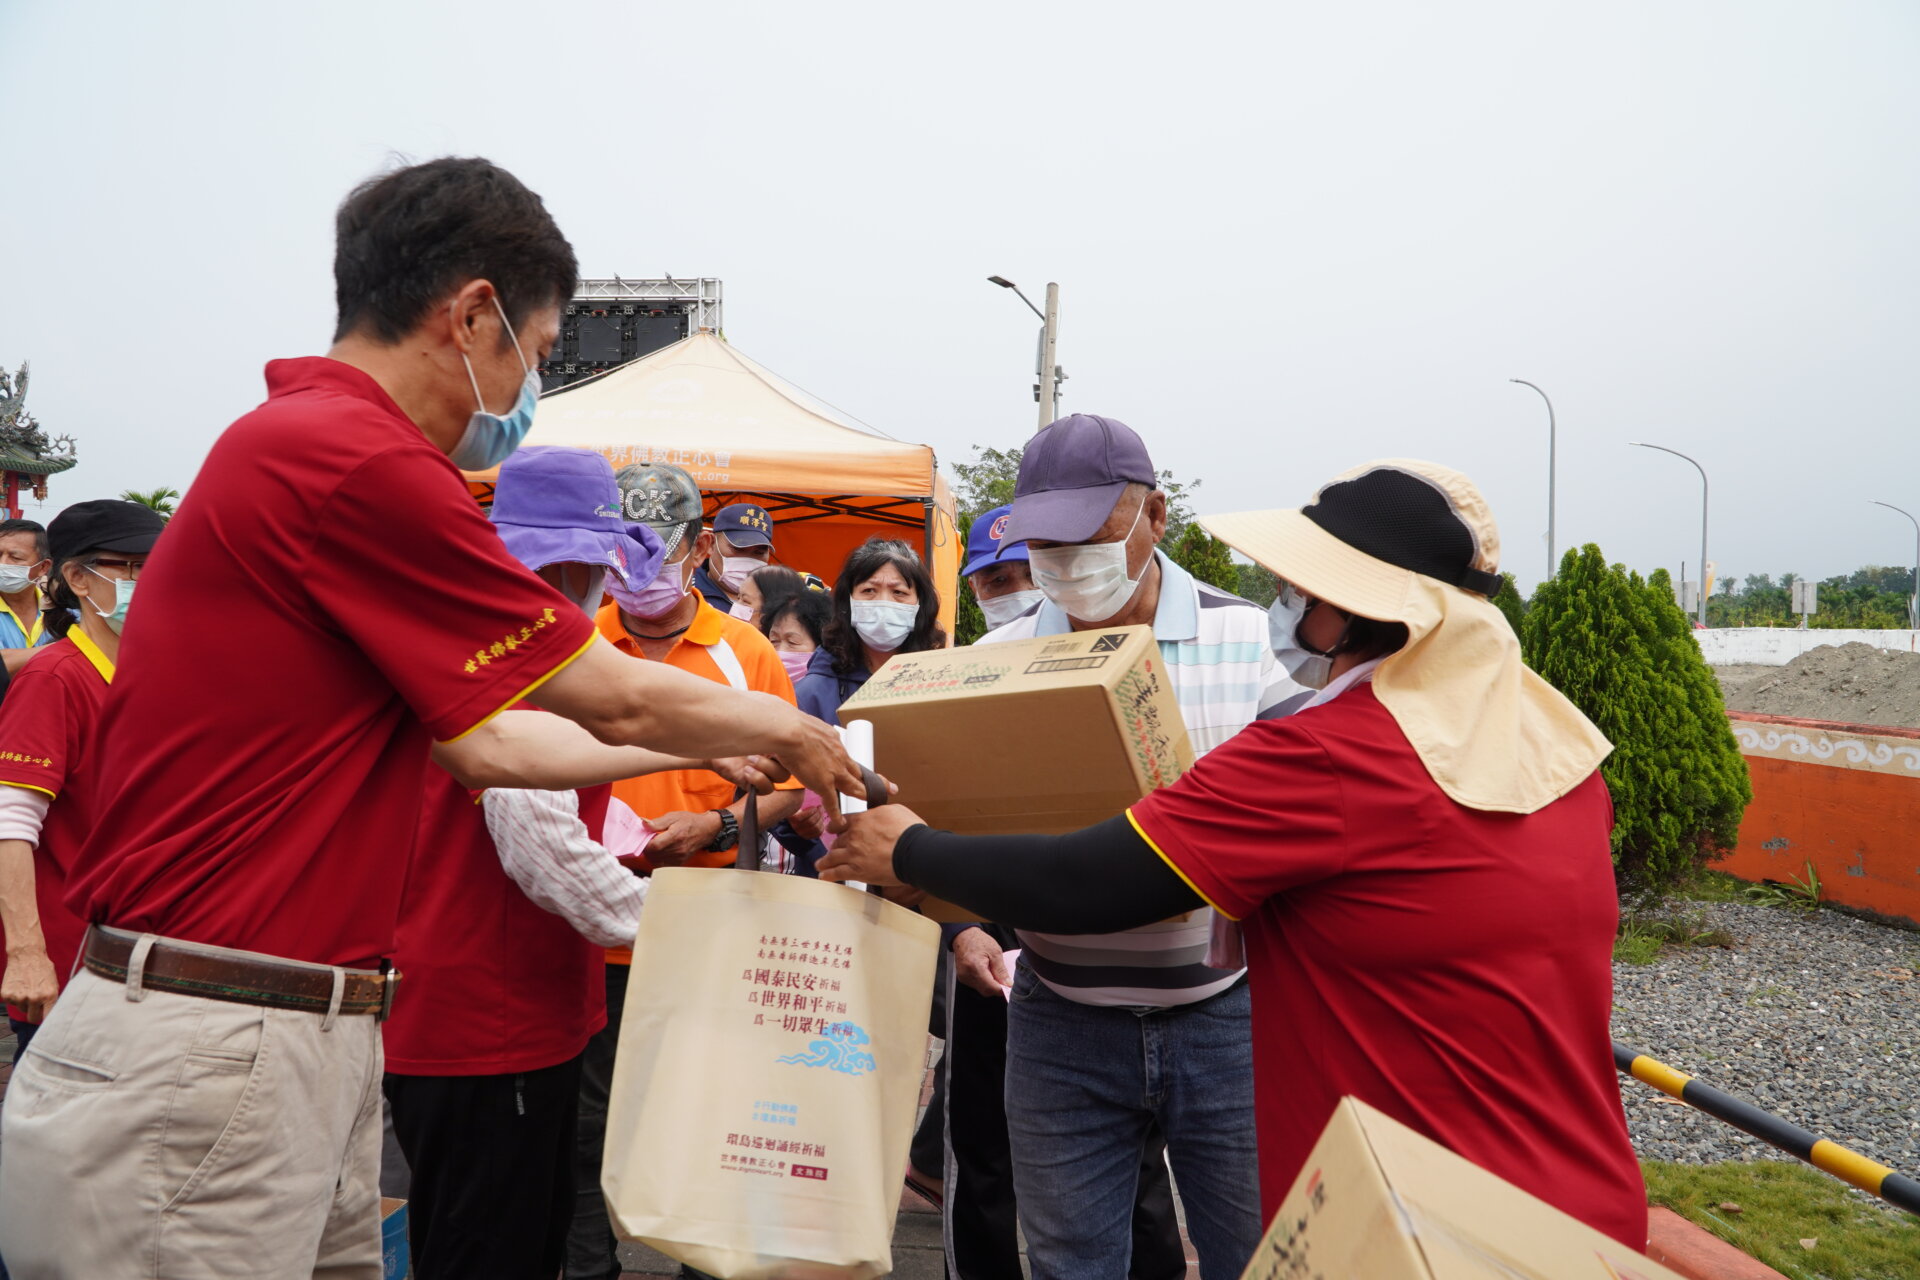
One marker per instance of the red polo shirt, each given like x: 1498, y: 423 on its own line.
x: 1449, y: 966
x: 491, y: 983
x: 46, y: 727
x: 327, y: 601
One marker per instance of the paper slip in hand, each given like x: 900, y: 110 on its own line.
x: 624, y: 833
x: 1013, y: 961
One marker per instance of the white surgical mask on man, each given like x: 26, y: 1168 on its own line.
x: 1089, y: 580
x: 15, y: 578
x: 884, y: 625
x: 1001, y: 610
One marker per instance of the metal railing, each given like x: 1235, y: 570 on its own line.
x: 1824, y: 1154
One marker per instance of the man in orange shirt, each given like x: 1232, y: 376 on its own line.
x: 693, y: 815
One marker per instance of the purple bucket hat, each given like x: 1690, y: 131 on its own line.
x: 1071, y: 474
x: 561, y: 506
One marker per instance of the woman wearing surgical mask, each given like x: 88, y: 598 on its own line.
x: 47, y: 726
x: 762, y: 589
x: 884, y: 603
x: 796, y: 626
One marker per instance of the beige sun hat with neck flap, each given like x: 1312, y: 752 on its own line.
x: 1413, y: 542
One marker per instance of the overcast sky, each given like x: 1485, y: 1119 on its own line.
x: 1290, y: 237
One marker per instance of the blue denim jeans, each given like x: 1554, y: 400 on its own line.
x: 1083, y: 1084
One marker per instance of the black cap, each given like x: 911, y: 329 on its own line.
x: 104, y: 524
x: 1405, y: 520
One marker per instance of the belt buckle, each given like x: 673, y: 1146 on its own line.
x: 389, y: 985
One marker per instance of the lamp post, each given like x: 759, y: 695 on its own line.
x: 1552, y: 450
x: 1913, y: 606
x: 1703, y: 519
x: 1047, y: 388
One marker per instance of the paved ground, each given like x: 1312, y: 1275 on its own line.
x: 917, y: 1250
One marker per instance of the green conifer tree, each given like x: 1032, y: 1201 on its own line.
x: 1205, y: 557
x: 1714, y: 778
x: 1623, y: 653
x: 1508, y: 601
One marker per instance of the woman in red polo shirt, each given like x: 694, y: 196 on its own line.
x: 46, y: 725
x: 1420, y: 858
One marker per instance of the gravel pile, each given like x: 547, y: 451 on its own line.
x: 1812, y: 1016
x: 1852, y: 683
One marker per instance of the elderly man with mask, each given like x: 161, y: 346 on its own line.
x: 1112, y: 1037
x: 502, y: 945
x: 691, y: 816
x: 1421, y: 857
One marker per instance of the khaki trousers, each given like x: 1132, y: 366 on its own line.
x: 174, y: 1137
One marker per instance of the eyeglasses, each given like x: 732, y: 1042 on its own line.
x: 133, y: 567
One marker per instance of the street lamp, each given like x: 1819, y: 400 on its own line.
x: 1913, y: 606
x: 1703, y: 519
x: 1552, y: 449
x: 1047, y: 389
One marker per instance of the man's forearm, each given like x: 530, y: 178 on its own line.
x: 16, y: 658
x: 632, y: 702
x: 546, y: 753
x: 19, y: 907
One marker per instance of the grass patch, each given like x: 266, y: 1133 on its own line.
x: 1645, y: 934
x: 1782, y: 1204
x: 1712, y: 886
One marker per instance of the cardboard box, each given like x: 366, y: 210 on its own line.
x: 1044, y: 735
x: 396, y: 1255
x: 1377, y: 1199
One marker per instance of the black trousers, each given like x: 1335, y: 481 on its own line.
x: 492, y: 1160
x: 591, y: 1244
x: 982, y: 1219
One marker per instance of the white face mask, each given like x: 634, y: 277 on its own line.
x: 884, y: 625
x: 1001, y: 610
x: 735, y: 570
x: 1089, y: 581
x: 588, y: 600
x: 740, y: 610
x: 15, y: 578
x: 1309, y: 670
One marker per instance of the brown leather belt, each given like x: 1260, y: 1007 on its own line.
x: 240, y: 979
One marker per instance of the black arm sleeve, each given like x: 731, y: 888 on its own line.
x: 1100, y: 879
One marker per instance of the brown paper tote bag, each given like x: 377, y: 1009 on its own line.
x: 769, y: 1068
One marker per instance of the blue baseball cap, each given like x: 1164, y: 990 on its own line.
x: 744, y: 525
x: 987, y: 545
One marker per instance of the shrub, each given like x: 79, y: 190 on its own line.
x: 1622, y: 651
x: 1508, y: 601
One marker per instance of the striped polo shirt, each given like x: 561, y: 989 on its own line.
x: 1218, y: 659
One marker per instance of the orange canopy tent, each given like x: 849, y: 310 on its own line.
x: 747, y: 435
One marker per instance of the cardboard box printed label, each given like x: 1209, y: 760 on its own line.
x: 1044, y: 735
x: 1377, y: 1199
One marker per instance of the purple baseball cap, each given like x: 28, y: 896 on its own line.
x: 987, y: 542
x: 561, y: 506
x: 1071, y: 475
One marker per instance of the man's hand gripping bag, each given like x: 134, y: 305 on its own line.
x: 769, y: 1068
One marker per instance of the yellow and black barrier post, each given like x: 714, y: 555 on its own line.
x: 1849, y: 1166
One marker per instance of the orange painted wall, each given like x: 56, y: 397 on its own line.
x: 1860, y: 829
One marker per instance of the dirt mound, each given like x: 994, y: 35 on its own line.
x: 1854, y: 683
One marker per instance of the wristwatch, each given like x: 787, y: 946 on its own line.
x: 729, y: 831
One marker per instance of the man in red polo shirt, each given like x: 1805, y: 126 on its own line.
x: 204, y: 1098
